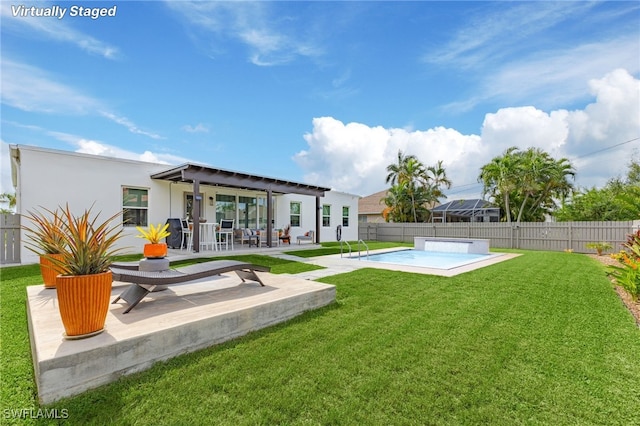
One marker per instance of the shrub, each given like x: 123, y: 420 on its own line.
x: 599, y: 247
x: 628, y: 274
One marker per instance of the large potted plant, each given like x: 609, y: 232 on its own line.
x: 46, y: 240
x: 84, y: 284
x: 154, y: 249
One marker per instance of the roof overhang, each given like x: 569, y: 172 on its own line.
x: 205, y: 175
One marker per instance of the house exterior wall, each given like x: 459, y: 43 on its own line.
x: 337, y: 200
x: 50, y: 178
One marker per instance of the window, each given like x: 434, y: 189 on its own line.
x: 225, y: 207
x: 248, y: 212
x: 135, y: 204
x: 294, y: 213
x: 345, y: 216
x: 188, y: 206
x: 326, y: 215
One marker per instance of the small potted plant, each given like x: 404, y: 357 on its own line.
x: 154, y: 249
x: 84, y: 283
x: 46, y: 240
x: 599, y: 247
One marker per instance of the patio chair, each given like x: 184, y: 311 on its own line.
x: 187, y: 235
x: 275, y: 239
x: 306, y: 237
x: 144, y: 283
x: 249, y: 236
x: 226, y: 230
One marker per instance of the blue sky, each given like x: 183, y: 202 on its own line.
x: 327, y: 92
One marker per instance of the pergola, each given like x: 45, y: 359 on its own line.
x: 466, y: 211
x: 205, y: 175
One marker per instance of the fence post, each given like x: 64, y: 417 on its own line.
x: 570, y: 236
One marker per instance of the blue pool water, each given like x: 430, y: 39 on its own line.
x: 427, y: 259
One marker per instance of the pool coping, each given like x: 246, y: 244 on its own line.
x: 338, y: 262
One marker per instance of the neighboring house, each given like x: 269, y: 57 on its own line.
x: 474, y: 210
x: 370, y: 208
x: 150, y: 193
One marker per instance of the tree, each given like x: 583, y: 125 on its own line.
x: 435, y: 177
x: 413, y: 188
x: 499, y: 178
x: 10, y: 199
x: 619, y: 199
x: 526, y: 184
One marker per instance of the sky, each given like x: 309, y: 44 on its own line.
x: 325, y: 93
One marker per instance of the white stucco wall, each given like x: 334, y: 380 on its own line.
x: 51, y: 178
x: 334, y: 199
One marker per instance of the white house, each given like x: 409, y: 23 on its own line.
x: 149, y: 193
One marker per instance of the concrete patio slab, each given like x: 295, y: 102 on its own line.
x: 181, y: 319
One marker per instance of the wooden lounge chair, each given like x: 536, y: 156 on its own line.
x: 145, y: 282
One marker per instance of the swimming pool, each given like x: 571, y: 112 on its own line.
x: 427, y: 259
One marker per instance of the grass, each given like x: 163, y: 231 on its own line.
x: 540, y: 339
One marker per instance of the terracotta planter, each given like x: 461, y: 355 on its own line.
x: 152, y: 251
x: 49, y: 271
x: 83, y: 301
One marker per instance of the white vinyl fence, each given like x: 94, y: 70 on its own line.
x: 553, y: 236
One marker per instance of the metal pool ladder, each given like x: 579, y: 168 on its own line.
x: 349, y: 246
x: 364, y: 244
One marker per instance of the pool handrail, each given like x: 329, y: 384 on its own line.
x: 365, y: 244
x: 348, y: 245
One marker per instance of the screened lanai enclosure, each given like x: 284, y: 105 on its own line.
x: 465, y: 211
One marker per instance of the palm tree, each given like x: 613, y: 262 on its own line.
x: 397, y: 172
x: 435, y: 177
x: 6, y: 197
x: 407, y: 171
x: 500, y: 177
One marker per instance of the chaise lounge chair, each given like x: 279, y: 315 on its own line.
x: 145, y: 282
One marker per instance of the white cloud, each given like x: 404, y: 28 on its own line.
x: 558, y: 77
x: 198, y: 128
x: 353, y: 157
x: 31, y: 89
x: 55, y: 29
x: 505, y: 49
x: 85, y: 146
x: 133, y: 128
x: 250, y: 23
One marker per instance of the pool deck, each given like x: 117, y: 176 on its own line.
x: 336, y: 264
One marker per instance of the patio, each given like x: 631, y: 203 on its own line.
x: 178, y: 320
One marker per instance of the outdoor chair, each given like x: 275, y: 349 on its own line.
x: 144, y: 282
x: 226, y: 231
x: 275, y: 241
x: 306, y: 237
x: 249, y: 236
x: 187, y: 235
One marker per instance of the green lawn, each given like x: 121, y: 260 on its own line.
x: 540, y: 339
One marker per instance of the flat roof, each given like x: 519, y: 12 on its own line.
x: 190, y: 172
